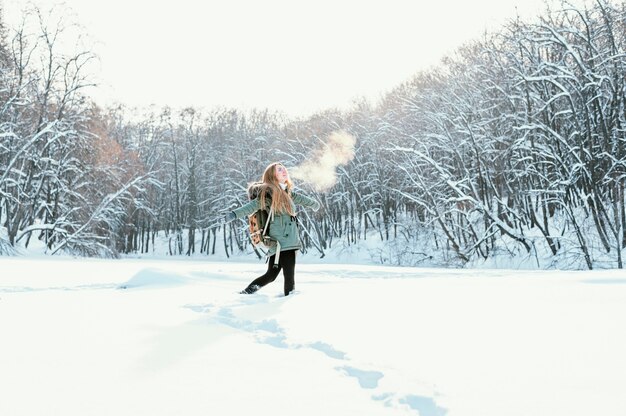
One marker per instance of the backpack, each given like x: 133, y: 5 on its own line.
x: 258, y: 226
x: 258, y: 223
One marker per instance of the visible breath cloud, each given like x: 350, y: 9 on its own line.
x: 320, y: 168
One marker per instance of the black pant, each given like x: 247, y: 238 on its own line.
x: 286, y: 262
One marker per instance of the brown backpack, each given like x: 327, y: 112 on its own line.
x: 258, y: 226
x: 259, y: 222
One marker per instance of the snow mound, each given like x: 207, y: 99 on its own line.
x: 154, y: 278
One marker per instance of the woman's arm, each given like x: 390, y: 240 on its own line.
x: 247, y: 209
x: 305, y: 201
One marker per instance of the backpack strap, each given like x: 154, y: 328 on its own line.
x: 277, y: 258
x: 270, y: 217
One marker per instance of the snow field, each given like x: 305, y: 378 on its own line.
x: 129, y: 337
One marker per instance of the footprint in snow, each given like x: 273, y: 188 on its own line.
x: 269, y: 331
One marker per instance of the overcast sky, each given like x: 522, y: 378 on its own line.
x: 295, y: 56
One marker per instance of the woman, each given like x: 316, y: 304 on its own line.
x: 275, y: 191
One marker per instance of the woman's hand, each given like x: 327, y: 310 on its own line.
x: 229, y: 216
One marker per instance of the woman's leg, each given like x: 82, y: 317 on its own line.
x: 288, y: 264
x: 269, y: 276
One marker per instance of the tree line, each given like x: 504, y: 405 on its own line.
x: 515, y: 145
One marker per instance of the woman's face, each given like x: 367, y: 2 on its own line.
x: 281, y: 173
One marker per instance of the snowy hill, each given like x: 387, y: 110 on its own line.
x: 139, y: 337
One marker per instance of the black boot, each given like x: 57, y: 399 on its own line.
x: 250, y: 289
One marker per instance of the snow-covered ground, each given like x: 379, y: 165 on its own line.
x: 173, y: 337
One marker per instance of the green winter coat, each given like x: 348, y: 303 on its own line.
x: 283, y: 227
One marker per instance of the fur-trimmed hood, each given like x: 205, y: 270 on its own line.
x: 254, y: 190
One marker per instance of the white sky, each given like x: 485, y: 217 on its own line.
x: 295, y: 56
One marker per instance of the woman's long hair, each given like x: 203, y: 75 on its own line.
x: 281, y: 200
